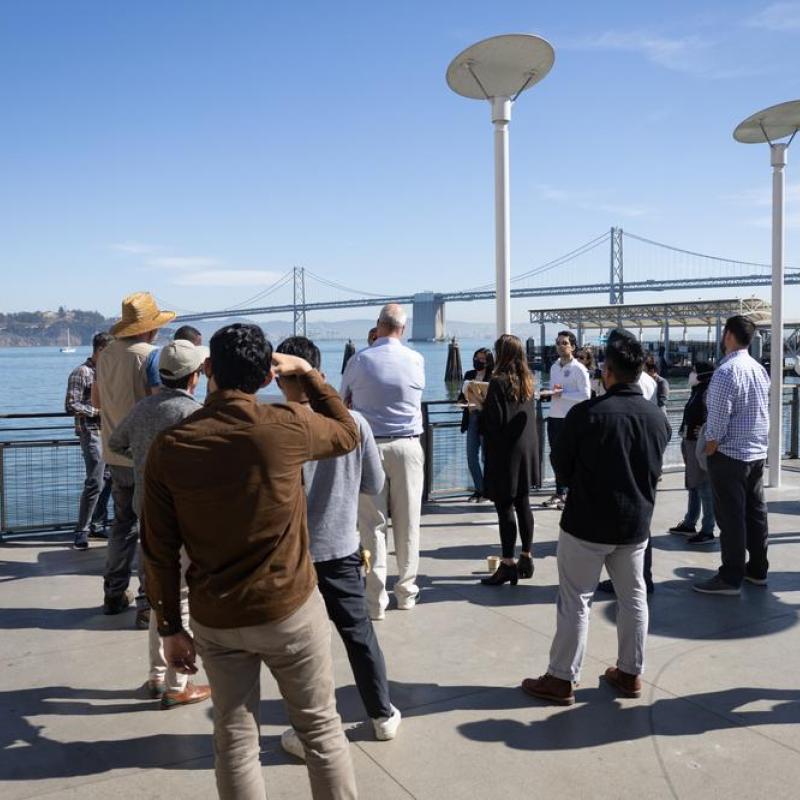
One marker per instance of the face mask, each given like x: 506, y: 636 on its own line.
x: 478, y: 365
x: 693, y: 379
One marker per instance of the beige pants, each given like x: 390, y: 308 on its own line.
x: 297, y: 651
x: 404, y: 464
x: 159, y: 669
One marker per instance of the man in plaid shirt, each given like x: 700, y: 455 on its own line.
x: 97, y: 486
x: 737, y: 432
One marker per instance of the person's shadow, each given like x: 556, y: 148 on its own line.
x: 27, y: 754
x: 595, y: 723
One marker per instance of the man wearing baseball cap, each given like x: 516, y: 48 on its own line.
x: 120, y: 382
x: 179, y: 366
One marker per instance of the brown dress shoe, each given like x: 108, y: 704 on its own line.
x: 191, y: 694
x: 626, y: 684
x: 548, y: 687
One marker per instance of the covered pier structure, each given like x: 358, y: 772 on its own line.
x: 663, y: 316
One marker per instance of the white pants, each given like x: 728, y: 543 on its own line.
x: 579, y: 566
x: 159, y: 669
x: 401, y: 498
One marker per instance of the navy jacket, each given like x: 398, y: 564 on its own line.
x: 609, y: 453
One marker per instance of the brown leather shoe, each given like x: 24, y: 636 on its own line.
x: 191, y: 694
x: 626, y: 684
x: 548, y: 687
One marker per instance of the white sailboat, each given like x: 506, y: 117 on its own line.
x: 69, y: 348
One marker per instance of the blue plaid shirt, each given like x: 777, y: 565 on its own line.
x: 738, y: 407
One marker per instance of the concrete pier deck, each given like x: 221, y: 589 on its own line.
x: 718, y: 718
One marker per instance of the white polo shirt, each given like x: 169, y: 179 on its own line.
x: 576, y: 387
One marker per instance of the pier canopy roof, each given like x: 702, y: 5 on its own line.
x: 698, y: 313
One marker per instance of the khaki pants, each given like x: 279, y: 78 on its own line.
x: 159, y: 669
x: 401, y: 497
x: 297, y: 651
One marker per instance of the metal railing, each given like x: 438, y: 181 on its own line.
x: 446, y: 471
x: 41, y: 473
x: 42, y: 470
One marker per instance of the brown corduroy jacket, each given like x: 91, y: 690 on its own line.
x: 227, y: 484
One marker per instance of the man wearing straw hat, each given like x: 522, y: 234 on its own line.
x: 120, y: 383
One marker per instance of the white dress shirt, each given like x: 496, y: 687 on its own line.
x: 384, y: 382
x: 573, y: 377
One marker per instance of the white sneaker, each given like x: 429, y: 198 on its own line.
x: 407, y: 603
x: 377, y: 616
x: 291, y: 743
x: 386, y: 727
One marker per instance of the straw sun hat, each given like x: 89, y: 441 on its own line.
x: 140, y: 314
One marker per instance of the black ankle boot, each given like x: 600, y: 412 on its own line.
x: 525, y: 566
x: 505, y: 572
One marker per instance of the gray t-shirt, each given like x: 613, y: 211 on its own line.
x: 134, y: 435
x: 332, y: 487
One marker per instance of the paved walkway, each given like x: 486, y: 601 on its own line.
x: 718, y: 718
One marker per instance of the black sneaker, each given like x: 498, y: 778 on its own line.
x: 716, y: 585
x: 683, y: 529
x: 116, y: 605
x: 81, y: 542
x: 701, y: 538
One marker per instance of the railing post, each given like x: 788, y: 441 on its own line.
x: 3, y: 517
x: 794, y: 429
x: 427, y: 444
x: 540, y: 432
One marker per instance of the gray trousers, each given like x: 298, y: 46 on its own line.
x: 741, y: 515
x: 123, y: 540
x: 92, y: 511
x: 579, y: 566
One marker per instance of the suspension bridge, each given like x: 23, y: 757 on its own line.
x: 628, y: 263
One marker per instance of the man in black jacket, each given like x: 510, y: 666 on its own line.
x: 609, y: 454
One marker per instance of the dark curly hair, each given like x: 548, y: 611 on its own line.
x: 241, y: 357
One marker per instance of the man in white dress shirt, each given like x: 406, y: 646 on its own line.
x: 384, y: 383
x: 569, y: 385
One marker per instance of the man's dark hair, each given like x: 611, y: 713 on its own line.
x: 301, y: 347
x: 178, y: 383
x: 650, y: 364
x: 624, y: 355
x: 241, y: 357
x: 101, y: 340
x: 189, y: 334
x: 570, y: 335
x: 741, y: 328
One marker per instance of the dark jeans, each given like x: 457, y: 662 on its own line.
x: 341, y: 584
x: 741, y: 515
x: 123, y: 539
x: 93, y: 508
x: 701, y: 497
x: 509, y: 514
x: 554, y: 428
x: 474, y: 450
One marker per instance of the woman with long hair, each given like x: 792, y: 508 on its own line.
x: 511, y: 444
x: 482, y: 365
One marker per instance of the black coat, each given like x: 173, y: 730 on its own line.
x: 695, y: 411
x: 511, y: 444
x: 469, y: 375
x: 609, y: 453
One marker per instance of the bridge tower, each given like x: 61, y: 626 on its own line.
x: 616, y: 293
x: 428, y: 313
x: 299, y: 301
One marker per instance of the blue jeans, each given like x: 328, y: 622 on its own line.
x: 701, y: 497
x: 123, y: 540
x: 93, y: 508
x: 474, y: 450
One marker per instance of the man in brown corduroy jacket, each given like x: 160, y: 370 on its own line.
x: 227, y: 484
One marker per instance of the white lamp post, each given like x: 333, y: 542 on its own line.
x: 769, y: 125
x: 499, y: 69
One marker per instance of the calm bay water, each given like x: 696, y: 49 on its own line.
x: 34, y: 379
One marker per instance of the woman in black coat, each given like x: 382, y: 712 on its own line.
x: 511, y: 444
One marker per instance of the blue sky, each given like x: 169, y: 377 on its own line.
x: 201, y: 149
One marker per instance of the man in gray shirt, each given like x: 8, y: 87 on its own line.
x: 332, y: 490
x: 179, y: 366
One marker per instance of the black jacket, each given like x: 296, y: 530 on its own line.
x: 609, y: 453
x: 469, y: 375
x: 695, y: 411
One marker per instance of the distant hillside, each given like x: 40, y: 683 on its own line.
x: 49, y: 328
